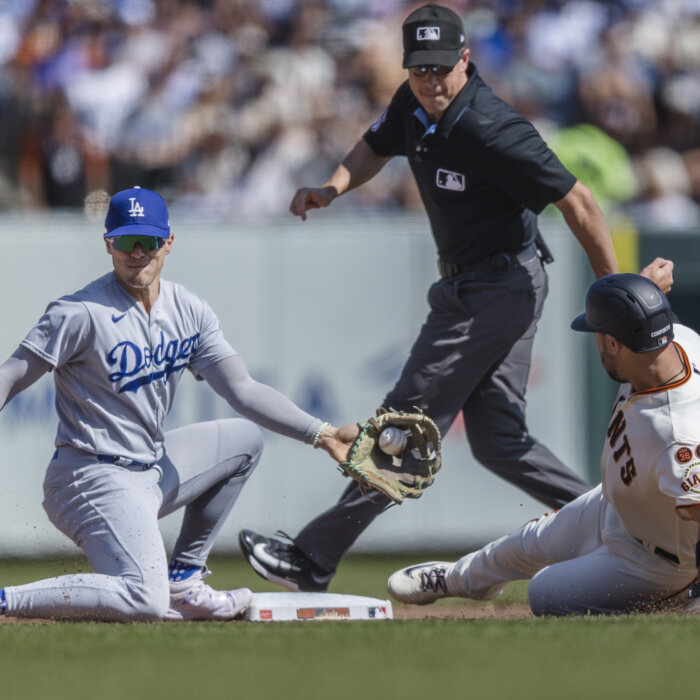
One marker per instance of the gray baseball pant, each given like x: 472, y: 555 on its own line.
x: 580, y: 560
x: 472, y: 355
x: 112, y: 513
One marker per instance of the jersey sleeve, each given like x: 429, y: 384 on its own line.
x: 61, y: 334
x: 386, y: 136
x: 259, y: 402
x: 678, y: 472
x: 517, y: 160
x: 212, y: 347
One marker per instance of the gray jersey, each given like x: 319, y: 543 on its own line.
x: 116, y: 367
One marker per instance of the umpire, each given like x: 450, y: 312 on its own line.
x: 484, y: 173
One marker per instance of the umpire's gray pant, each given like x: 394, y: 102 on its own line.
x: 472, y: 355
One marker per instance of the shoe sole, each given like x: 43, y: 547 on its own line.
x: 260, y: 570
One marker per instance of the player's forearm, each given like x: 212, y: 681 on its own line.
x: 587, y: 223
x: 258, y: 402
x: 272, y: 410
x: 18, y: 372
x: 359, y: 166
x: 599, y: 249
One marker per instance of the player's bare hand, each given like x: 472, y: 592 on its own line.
x: 311, y: 198
x: 337, y: 441
x: 660, y: 272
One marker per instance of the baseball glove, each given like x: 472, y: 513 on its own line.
x: 400, y: 476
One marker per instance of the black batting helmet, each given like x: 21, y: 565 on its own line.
x: 631, y: 308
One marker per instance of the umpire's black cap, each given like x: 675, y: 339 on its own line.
x: 432, y: 36
x: 630, y: 308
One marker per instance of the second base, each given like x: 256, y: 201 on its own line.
x: 285, y: 607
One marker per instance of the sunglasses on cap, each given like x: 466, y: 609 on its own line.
x: 422, y: 71
x: 148, y: 243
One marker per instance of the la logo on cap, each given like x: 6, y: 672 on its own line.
x: 136, y: 208
x: 428, y: 34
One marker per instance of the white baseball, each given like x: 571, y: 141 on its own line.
x: 392, y: 441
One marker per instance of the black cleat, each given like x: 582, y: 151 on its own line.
x: 283, y: 563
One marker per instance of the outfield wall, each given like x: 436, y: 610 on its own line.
x: 301, y: 304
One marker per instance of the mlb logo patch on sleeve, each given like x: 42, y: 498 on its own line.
x: 379, y: 122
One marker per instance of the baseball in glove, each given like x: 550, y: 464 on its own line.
x: 398, y: 476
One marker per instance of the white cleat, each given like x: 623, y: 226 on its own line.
x: 192, y: 599
x: 420, y: 584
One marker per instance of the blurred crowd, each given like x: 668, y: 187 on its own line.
x: 227, y: 106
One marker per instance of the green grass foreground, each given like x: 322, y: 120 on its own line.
x: 623, y: 657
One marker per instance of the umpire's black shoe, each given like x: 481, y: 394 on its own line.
x: 283, y: 563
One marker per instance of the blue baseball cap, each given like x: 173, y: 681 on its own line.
x: 137, y: 212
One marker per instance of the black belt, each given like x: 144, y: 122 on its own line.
x: 660, y: 552
x: 123, y: 462
x: 497, y: 263
x: 667, y: 555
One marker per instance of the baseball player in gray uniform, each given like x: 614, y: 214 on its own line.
x: 630, y: 542
x: 117, y: 349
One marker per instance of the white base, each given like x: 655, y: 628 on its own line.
x: 284, y: 607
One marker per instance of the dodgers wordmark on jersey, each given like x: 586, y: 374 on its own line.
x: 117, y: 366
x: 651, y: 459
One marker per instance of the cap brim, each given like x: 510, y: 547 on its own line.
x: 139, y: 230
x: 581, y: 324
x: 431, y: 58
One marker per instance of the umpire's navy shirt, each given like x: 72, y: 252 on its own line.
x: 483, y: 171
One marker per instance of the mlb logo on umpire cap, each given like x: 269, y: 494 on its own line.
x: 137, y: 212
x: 432, y: 36
x: 428, y: 34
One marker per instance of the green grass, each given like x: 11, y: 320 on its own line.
x: 624, y: 657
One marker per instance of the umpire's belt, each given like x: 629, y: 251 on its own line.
x: 123, y: 462
x: 658, y: 551
x: 496, y: 263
